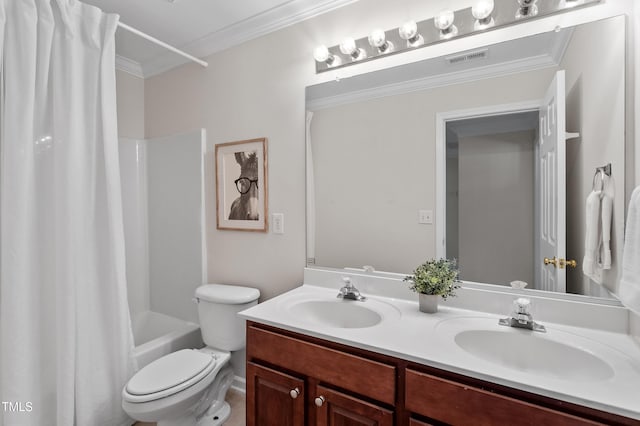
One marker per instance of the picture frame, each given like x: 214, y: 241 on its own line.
x: 242, y: 185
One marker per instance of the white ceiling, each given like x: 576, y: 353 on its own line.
x: 199, y: 27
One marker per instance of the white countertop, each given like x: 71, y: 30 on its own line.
x: 428, y: 339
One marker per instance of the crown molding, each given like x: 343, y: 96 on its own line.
x: 129, y: 66
x: 559, y: 48
x: 430, y: 82
x: 274, y: 19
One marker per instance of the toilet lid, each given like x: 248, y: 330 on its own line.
x: 171, y: 371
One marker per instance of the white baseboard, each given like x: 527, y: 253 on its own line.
x: 239, y: 384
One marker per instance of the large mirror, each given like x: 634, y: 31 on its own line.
x: 445, y: 157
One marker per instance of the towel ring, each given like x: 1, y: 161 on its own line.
x: 599, y: 172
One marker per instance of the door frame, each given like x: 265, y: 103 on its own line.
x: 441, y: 179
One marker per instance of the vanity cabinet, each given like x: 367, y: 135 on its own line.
x: 295, y: 380
x: 276, y: 398
x: 455, y: 403
x: 337, y: 408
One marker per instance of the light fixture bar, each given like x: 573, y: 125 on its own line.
x: 505, y: 13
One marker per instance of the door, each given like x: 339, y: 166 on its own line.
x: 552, y: 211
x: 337, y: 409
x: 273, y: 398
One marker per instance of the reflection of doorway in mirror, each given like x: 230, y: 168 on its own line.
x: 491, y: 189
x: 505, y: 197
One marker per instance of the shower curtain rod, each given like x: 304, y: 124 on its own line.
x: 163, y: 44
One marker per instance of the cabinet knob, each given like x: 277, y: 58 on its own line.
x: 294, y: 393
x: 319, y: 401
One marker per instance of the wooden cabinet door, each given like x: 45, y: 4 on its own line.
x: 414, y: 422
x: 273, y: 398
x: 337, y: 409
x: 459, y: 404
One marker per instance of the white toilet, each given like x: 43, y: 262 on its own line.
x: 188, y: 387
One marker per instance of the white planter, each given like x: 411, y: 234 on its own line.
x: 428, y: 303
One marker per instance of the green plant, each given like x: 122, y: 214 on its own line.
x: 437, y: 277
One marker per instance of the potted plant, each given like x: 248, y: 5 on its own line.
x: 432, y: 279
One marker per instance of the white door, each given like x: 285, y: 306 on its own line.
x: 552, y: 152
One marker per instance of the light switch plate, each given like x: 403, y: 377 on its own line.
x: 425, y: 217
x: 277, y: 221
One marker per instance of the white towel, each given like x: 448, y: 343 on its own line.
x: 591, y: 234
x: 629, y: 290
x: 597, y: 244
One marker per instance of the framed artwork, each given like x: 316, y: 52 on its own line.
x: 241, y: 185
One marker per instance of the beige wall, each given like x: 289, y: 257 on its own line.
x: 383, y: 151
x: 257, y: 89
x: 595, y: 87
x: 251, y: 91
x: 130, y: 100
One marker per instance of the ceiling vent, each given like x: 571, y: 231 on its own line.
x: 466, y: 57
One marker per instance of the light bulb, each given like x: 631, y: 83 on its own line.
x: 527, y: 8
x: 482, y: 9
x: 321, y: 53
x: 482, y: 12
x: 409, y: 31
x: 571, y: 3
x: 444, y: 22
x: 348, y: 47
x: 378, y: 39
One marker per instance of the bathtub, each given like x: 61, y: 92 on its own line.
x: 156, y: 335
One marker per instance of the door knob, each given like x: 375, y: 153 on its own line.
x: 570, y: 263
x: 319, y: 401
x: 294, y: 393
x: 560, y: 263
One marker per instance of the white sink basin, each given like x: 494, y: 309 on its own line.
x: 529, y: 352
x: 338, y: 313
x: 555, y: 354
x: 342, y: 313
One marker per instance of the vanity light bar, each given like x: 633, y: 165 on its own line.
x: 441, y: 28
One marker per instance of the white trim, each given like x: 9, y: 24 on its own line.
x: 430, y: 82
x: 441, y: 122
x: 239, y: 384
x: 287, y: 14
x: 203, y: 215
x: 129, y: 66
x: 558, y: 49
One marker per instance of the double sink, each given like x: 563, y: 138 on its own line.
x: 592, y: 367
x: 556, y: 354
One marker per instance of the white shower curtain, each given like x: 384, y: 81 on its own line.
x: 65, y: 331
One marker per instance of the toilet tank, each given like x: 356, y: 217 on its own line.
x: 218, y: 307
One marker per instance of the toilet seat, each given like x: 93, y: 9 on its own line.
x: 169, y: 375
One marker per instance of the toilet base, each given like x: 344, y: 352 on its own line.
x: 216, y: 415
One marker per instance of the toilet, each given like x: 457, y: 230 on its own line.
x: 188, y: 387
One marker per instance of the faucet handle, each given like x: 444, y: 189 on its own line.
x: 522, y: 305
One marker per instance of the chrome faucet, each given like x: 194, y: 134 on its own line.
x: 348, y: 291
x: 521, y: 317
